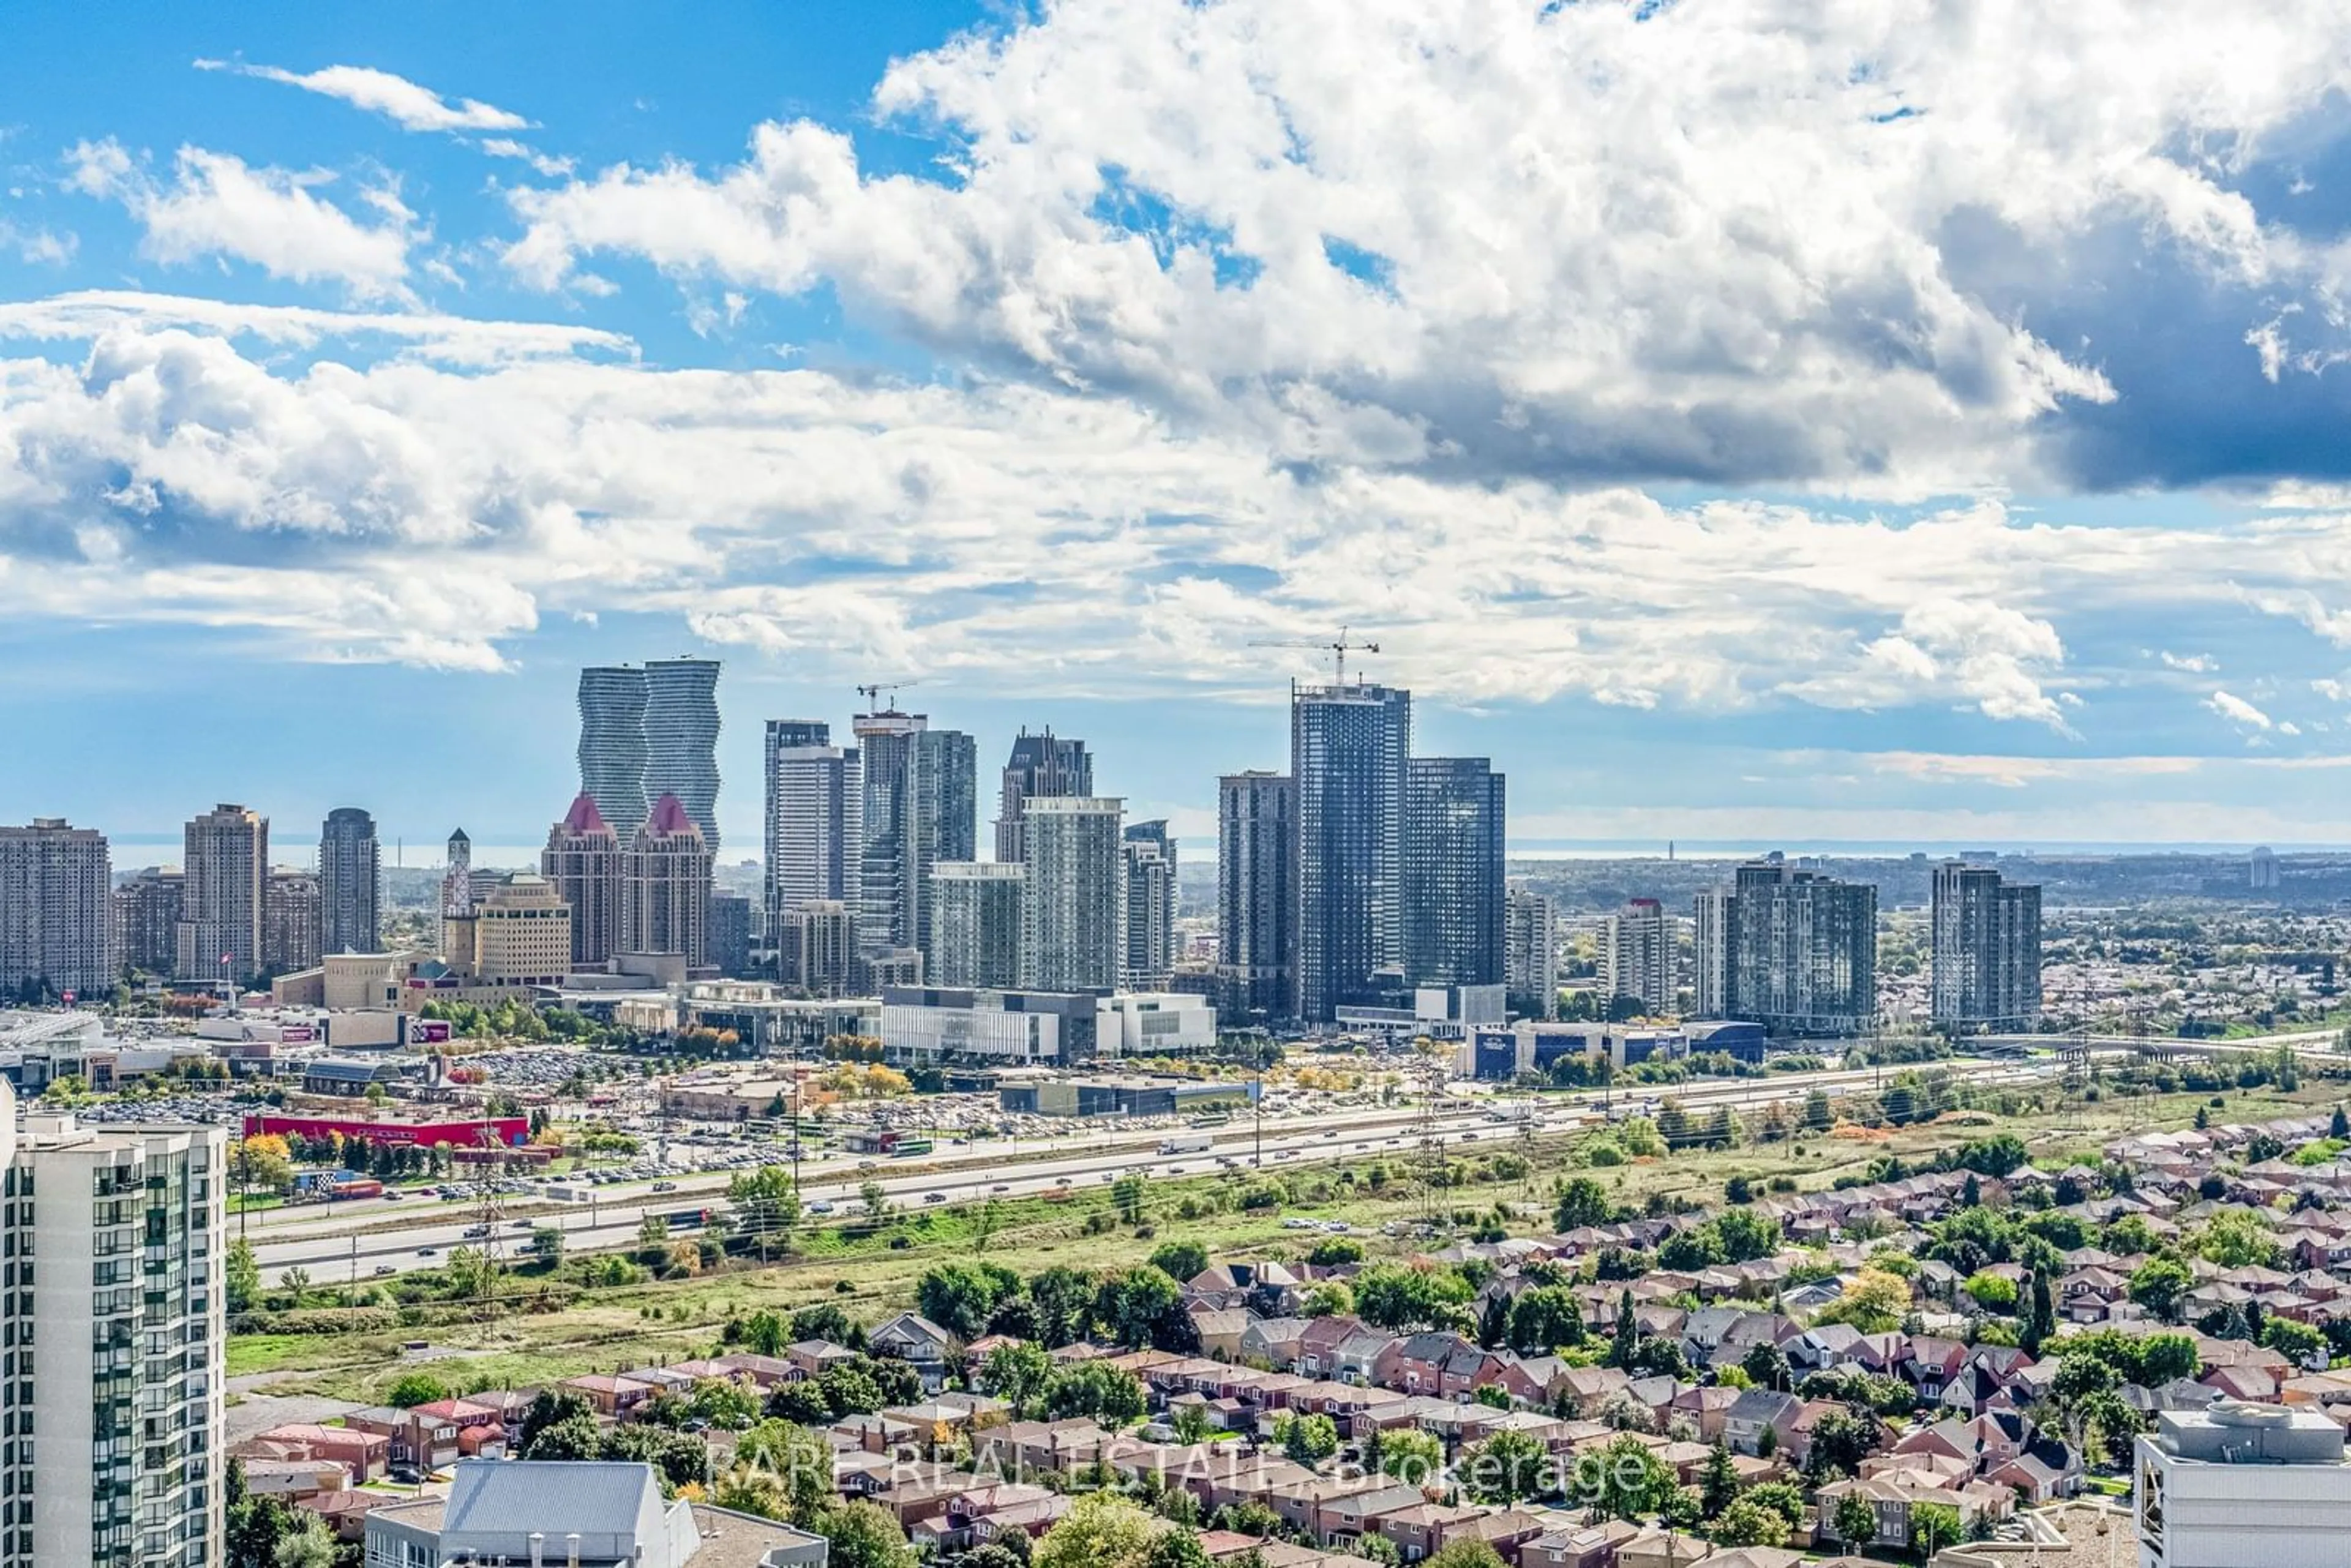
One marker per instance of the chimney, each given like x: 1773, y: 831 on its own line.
x: 537, y: 1549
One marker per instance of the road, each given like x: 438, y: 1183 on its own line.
x: 356, y: 1240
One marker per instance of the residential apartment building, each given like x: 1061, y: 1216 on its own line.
x: 815, y: 800
x: 975, y: 925
x: 917, y: 808
x: 665, y: 884
x: 612, y: 743
x: 349, y: 882
x: 816, y: 949
x: 1530, y: 953
x: 112, y: 1450
x: 1452, y: 916
x: 292, y: 920
x: 583, y: 859
x: 1257, y: 856
x: 1348, y: 744
x: 224, y: 864
x: 726, y: 938
x: 682, y: 740
x: 1987, y: 951
x: 1149, y: 851
x: 649, y: 732
x: 146, y: 921
x: 1795, y: 951
x: 1710, y: 953
x: 1045, y: 764
x: 1074, y: 897
x: 1640, y: 954
x: 57, y: 925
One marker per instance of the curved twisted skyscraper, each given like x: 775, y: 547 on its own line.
x: 650, y: 732
x: 612, y: 743
x: 682, y: 739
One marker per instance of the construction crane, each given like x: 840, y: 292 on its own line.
x: 873, y: 694
x: 1338, y: 647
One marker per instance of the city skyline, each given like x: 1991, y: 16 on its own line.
x: 1578, y: 764
x: 1767, y: 581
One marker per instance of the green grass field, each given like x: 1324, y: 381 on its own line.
x: 870, y: 1271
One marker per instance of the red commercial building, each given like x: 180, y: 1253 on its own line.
x: 512, y: 1131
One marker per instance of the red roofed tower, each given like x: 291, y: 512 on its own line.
x: 583, y: 859
x: 665, y: 885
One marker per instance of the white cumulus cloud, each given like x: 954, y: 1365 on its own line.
x: 214, y: 204
x: 1726, y: 242
x: 801, y: 512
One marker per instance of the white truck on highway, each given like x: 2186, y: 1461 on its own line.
x: 1185, y: 1144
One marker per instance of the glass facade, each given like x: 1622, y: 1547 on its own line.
x: 1453, y: 886
x: 1347, y: 749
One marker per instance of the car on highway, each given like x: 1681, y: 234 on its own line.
x: 475, y: 1230
x: 664, y: 1186
x: 1001, y: 1187
x: 428, y: 1251
x: 822, y: 1206
x: 524, y: 1224
x: 383, y: 1268
x: 934, y: 1197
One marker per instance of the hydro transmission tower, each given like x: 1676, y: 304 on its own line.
x: 1432, y: 1136
x: 490, y: 1214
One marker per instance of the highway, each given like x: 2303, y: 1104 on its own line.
x: 357, y: 1240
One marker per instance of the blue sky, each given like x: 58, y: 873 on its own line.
x: 1746, y: 427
